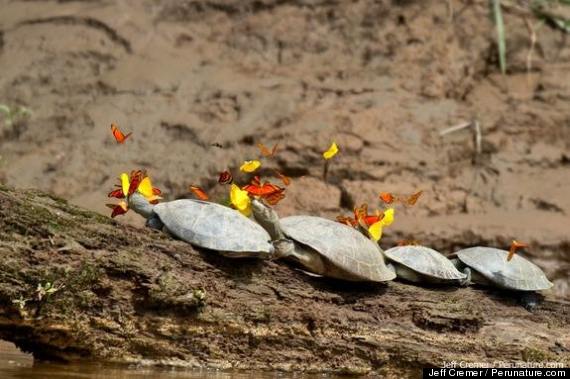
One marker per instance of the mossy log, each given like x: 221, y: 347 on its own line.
x: 123, y: 294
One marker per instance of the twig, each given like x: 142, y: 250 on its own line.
x: 450, y: 10
x: 455, y: 128
x: 532, y: 33
x: 477, y: 136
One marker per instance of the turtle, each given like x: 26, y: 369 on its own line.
x: 489, y: 266
x: 324, y: 247
x: 206, y: 224
x: 422, y: 264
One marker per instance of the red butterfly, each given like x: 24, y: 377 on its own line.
x: 118, y: 209
x: 119, y: 136
x: 225, y: 177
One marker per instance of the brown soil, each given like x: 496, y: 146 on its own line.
x: 382, y: 78
x: 129, y: 295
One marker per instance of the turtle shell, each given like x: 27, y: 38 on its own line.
x: 518, y: 274
x: 343, y: 246
x: 213, y: 226
x: 425, y: 261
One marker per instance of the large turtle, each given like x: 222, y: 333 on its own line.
x: 208, y: 225
x: 324, y: 247
x: 489, y: 266
x: 421, y: 264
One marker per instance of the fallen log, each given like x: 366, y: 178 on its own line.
x: 76, y: 285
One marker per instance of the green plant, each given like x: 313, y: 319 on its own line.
x: 45, y: 291
x: 498, y: 17
x: 550, y: 12
x: 14, y: 115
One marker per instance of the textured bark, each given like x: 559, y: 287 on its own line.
x: 132, y: 295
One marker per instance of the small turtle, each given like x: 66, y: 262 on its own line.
x: 421, y: 264
x: 489, y: 266
x: 208, y: 225
x: 324, y: 247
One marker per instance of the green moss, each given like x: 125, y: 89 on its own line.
x: 530, y: 354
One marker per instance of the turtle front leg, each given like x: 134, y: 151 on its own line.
x: 154, y: 222
x: 467, y: 281
x: 283, y: 248
x: 530, y: 300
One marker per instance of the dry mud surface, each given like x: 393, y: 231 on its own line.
x: 382, y: 78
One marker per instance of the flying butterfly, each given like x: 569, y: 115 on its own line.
x: 199, y: 192
x: 285, y: 179
x: 225, y: 177
x: 407, y: 200
x: 514, y: 246
x: 265, y: 150
x: 120, y: 137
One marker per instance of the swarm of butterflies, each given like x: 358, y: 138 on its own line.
x: 240, y: 196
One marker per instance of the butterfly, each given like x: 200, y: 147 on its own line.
x: 271, y: 193
x: 118, y: 209
x: 250, y: 166
x: 266, y: 152
x: 361, y: 217
x: 275, y: 197
x: 514, y: 246
x: 285, y: 179
x: 257, y: 189
x: 199, y: 192
x: 225, y: 177
x: 331, y: 152
x: 408, y: 200
x: 119, y: 136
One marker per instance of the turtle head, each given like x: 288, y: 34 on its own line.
x: 139, y: 204
x: 267, y: 218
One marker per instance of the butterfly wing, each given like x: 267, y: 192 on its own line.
x: 120, y: 137
x: 199, y: 192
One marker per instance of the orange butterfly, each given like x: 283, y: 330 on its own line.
x: 199, y: 192
x: 514, y: 246
x: 361, y: 216
x: 285, y: 179
x: 257, y: 189
x: 225, y: 177
x: 266, y: 152
x: 407, y: 200
x: 275, y: 197
x: 119, y: 136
